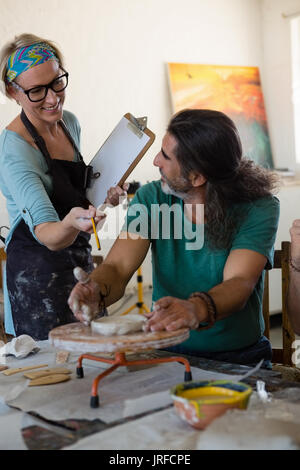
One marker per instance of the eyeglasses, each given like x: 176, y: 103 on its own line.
x: 39, y: 93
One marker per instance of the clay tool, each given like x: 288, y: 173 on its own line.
x: 3, y: 368
x: 22, y: 369
x: 45, y: 372
x: 62, y: 357
x: 49, y: 379
x: 96, y: 234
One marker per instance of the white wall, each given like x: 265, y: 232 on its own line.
x: 276, y: 74
x: 116, y: 52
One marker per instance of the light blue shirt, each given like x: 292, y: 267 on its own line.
x: 27, y: 188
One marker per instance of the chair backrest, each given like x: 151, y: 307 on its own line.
x: 2, y: 258
x: 281, y: 261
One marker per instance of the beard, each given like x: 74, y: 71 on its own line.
x: 179, y: 187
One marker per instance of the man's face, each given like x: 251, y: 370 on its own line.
x: 172, y: 181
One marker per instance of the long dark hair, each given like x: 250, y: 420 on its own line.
x: 208, y: 143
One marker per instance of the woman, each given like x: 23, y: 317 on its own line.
x: 43, y: 178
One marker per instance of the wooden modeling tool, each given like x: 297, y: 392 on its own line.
x: 22, y: 369
x: 45, y: 372
x: 96, y: 234
x: 2, y: 368
x: 49, y: 379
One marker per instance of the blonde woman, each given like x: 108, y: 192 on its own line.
x: 43, y: 178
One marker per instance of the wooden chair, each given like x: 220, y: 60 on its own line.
x: 2, y: 258
x: 281, y: 261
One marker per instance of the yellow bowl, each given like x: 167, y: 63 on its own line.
x: 199, y: 403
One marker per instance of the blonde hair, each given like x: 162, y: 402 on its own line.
x: 22, y: 40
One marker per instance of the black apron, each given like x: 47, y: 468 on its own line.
x: 39, y: 280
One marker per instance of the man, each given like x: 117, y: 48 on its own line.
x: 213, y: 284
x: 293, y: 300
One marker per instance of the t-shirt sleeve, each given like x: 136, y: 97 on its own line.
x: 27, y: 191
x: 258, y: 231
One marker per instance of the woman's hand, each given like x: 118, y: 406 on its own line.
x: 84, y: 298
x: 59, y: 235
x: 172, y: 314
x: 116, y: 194
x: 81, y: 219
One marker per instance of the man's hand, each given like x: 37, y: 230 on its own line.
x: 295, y: 243
x: 84, y: 298
x: 171, y: 314
x: 116, y: 194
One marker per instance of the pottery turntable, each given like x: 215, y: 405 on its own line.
x: 77, y: 337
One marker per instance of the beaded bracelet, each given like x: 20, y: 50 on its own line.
x: 294, y: 267
x: 211, y: 306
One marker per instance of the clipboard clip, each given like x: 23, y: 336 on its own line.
x: 140, y: 123
x: 89, y: 176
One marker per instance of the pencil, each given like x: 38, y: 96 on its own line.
x: 96, y: 234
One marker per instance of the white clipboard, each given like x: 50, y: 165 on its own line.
x: 118, y: 156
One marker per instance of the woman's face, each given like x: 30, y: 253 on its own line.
x: 50, y: 109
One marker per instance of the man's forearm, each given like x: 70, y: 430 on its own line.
x: 231, y: 296
x: 112, y: 285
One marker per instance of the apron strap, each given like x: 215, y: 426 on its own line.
x: 38, y: 140
x: 67, y: 132
x: 40, y: 143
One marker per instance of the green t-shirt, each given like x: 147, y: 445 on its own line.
x: 182, y: 264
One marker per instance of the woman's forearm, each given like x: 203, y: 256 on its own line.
x: 56, y: 235
x: 59, y: 235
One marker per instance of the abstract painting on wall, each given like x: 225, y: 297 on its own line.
x: 234, y: 90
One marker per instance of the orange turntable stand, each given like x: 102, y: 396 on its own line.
x: 140, y: 303
x: 77, y: 337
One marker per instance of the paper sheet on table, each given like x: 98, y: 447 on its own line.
x: 263, y: 426
x: 10, y: 429
x: 162, y: 430
x: 271, y: 426
x: 71, y: 400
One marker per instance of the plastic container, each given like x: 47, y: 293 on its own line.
x: 199, y: 403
